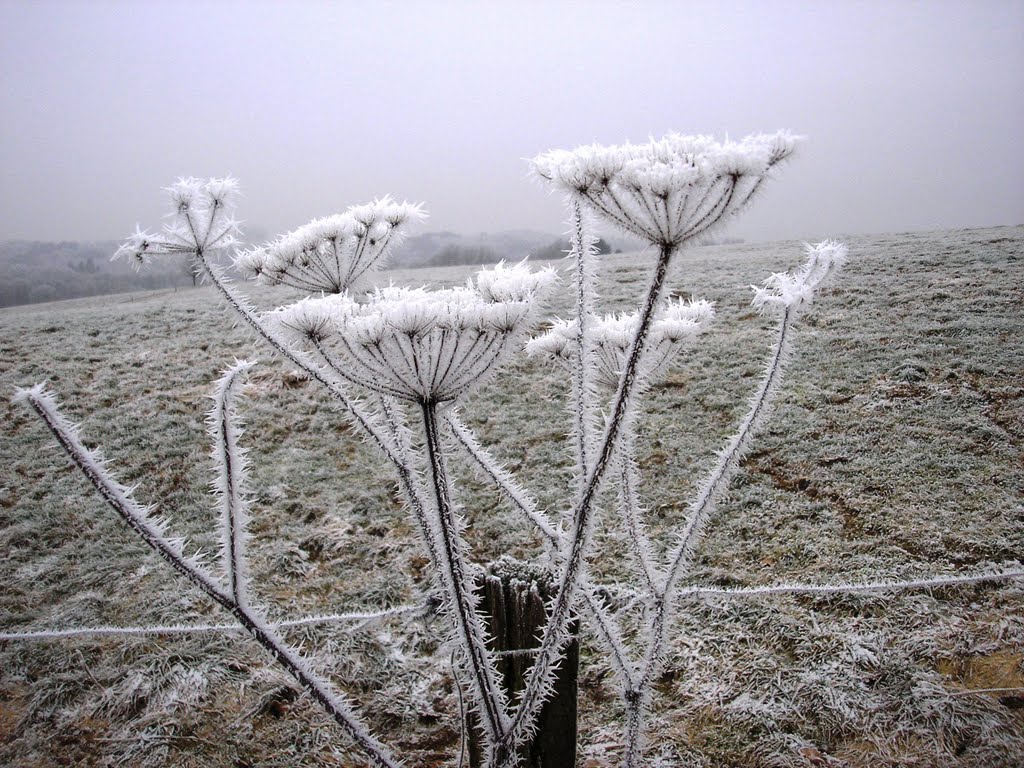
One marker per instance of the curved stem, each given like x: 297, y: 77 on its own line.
x: 138, y: 519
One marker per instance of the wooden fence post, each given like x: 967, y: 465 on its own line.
x: 512, y: 598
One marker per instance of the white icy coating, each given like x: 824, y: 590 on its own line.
x: 430, y: 347
x: 231, y: 465
x: 335, y: 253
x: 669, y: 190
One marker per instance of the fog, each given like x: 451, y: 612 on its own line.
x: 913, y: 111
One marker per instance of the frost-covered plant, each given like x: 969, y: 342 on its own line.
x: 400, y: 361
x: 334, y: 253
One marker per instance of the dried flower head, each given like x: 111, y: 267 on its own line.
x: 670, y: 190
x: 332, y: 254
x: 421, y: 345
x: 202, y: 221
x: 678, y: 323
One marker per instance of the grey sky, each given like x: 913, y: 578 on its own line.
x: 915, y: 111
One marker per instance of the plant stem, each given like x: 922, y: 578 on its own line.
x: 700, y: 510
x: 120, y: 500
x: 556, y: 630
x: 458, y: 586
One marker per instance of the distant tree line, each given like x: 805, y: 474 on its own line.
x: 559, y: 248
x: 33, y: 272
x: 455, y: 254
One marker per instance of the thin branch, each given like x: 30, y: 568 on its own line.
x: 602, y: 622
x: 933, y: 582
x: 556, y: 630
x: 459, y: 588
x: 359, y: 618
x: 502, y: 479
x: 700, y: 510
x: 152, y: 532
x: 582, y: 369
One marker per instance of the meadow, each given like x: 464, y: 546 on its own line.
x: 895, y: 453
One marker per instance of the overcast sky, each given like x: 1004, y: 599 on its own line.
x: 914, y: 111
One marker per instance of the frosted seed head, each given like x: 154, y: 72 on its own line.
x: 313, y: 319
x: 413, y: 317
x: 433, y: 345
x: 683, y: 319
x: 221, y: 191
x: 185, y: 192
x: 502, y: 317
x: 334, y: 254
x: 251, y: 262
x: 137, y: 248
x: 515, y: 283
x: 555, y: 343
x: 366, y: 330
x: 655, y: 190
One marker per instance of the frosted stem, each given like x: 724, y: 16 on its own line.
x: 151, y: 531
x: 502, y: 479
x: 602, y: 622
x: 230, y: 473
x: 933, y: 582
x: 458, y: 587
x: 358, y: 618
x: 583, y: 364
x: 700, y: 510
x: 556, y: 630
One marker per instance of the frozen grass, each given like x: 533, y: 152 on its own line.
x: 896, y: 452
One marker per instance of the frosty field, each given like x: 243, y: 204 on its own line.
x: 895, y: 453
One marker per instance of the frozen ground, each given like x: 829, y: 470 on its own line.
x: 896, y: 452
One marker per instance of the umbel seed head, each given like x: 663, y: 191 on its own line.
x: 335, y: 253
x: 421, y: 345
x: 678, y: 323
x: 667, y: 191
x: 202, y: 221
x: 795, y: 290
